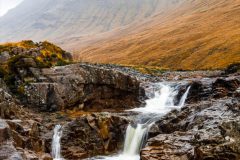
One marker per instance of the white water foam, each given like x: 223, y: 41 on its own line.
x: 163, y: 101
x: 160, y: 104
x: 56, y: 143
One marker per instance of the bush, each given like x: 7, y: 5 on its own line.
x: 41, y: 64
x: 54, y: 55
x: 61, y: 63
x: 10, y: 80
x: 27, y: 44
x: 3, y: 72
x: 21, y: 90
x: 14, y: 62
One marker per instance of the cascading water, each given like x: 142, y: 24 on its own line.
x: 56, y: 143
x: 133, y: 139
x: 184, y: 97
x: 161, y: 103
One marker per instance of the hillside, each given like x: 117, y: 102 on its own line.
x: 196, y: 35
x: 61, y: 20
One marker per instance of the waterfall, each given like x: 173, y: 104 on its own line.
x: 184, y: 97
x: 56, y: 143
x: 160, y: 104
x: 133, y: 141
x: 163, y: 100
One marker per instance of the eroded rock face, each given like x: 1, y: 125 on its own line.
x: 207, y: 128
x: 83, y: 86
x: 94, y: 134
x: 20, y: 137
x: 213, y: 88
x: 7, y: 149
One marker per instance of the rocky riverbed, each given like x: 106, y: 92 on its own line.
x: 90, y: 101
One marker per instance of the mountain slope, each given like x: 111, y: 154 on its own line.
x: 199, y: 34
x: 60, y: 20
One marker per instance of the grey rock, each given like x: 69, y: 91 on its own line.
x: 4, y: 131
x: 200, y: 131
x: 4, y: 57
x: 29, y: 62
x: 80, y: 84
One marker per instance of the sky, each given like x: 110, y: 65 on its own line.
x: 6, y: 5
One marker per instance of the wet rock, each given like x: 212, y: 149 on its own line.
x: 94, y: 134
x: 174, y: 147
x: 90, y: 86
x: 225, y: 87
x: 213, y: 88
x: 204, y: 130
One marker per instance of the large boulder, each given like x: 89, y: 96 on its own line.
x: 84, y: 86
x: 94, y: 134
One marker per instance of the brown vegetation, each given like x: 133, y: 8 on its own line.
x: 197, y: 35
x: 44, y: 53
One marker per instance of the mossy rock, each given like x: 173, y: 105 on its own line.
x: 28, y: 54
x: 49, y: 54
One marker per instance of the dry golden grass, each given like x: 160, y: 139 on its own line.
x: 152, y: 70
x: 23, y: 44
x: 199, y: 35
